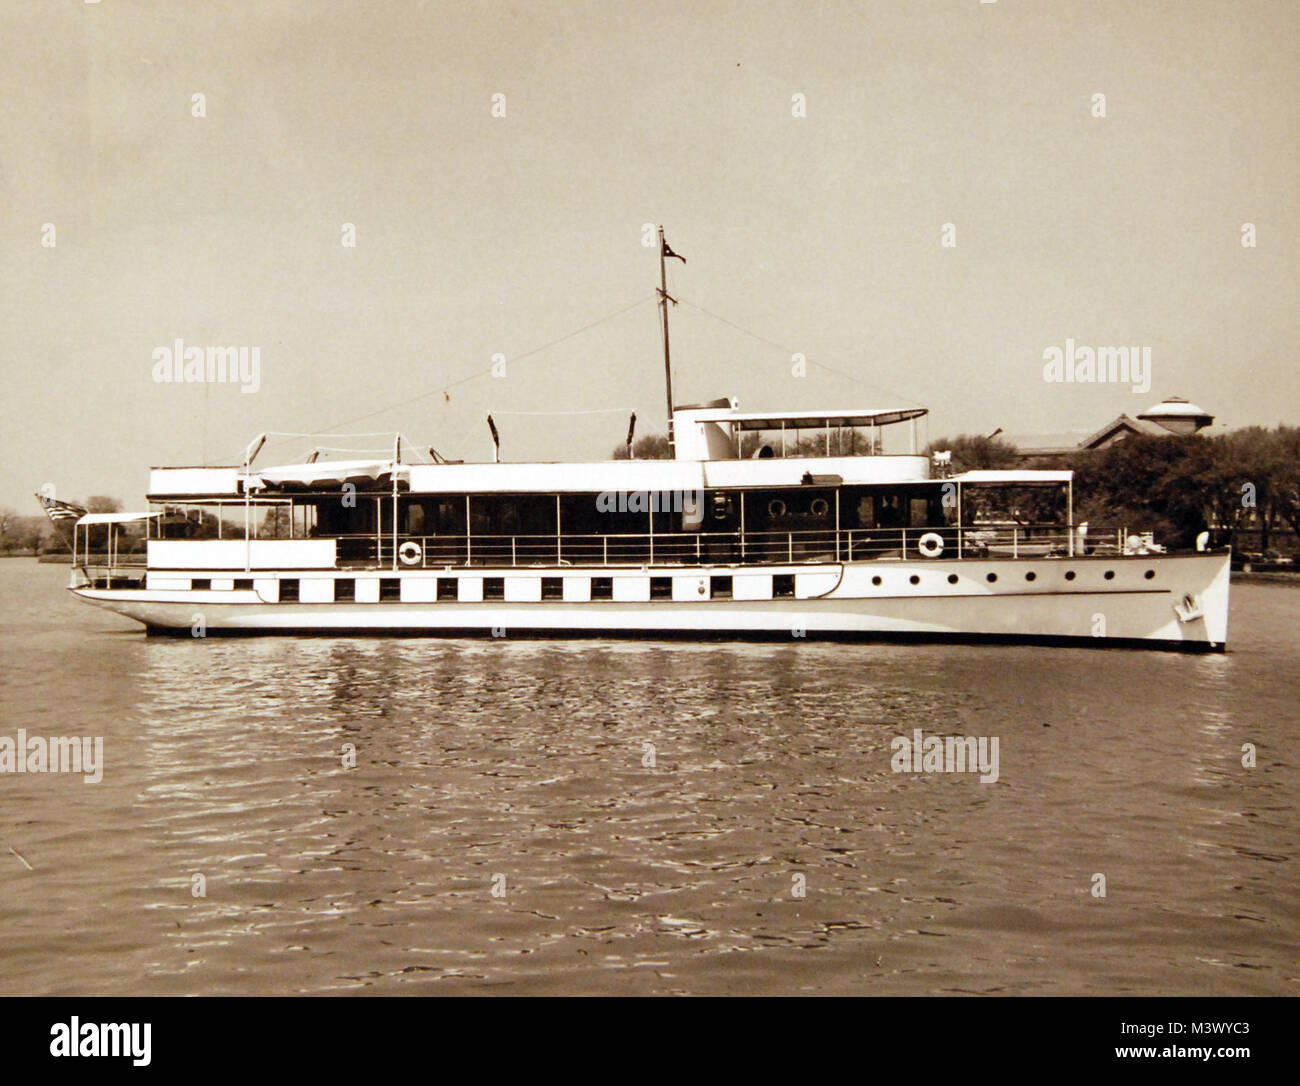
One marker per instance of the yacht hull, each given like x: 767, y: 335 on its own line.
x: 1157, y: 601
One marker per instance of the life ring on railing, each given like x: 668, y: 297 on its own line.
x: 930, y: 545
x: 776, y: 508
x: 409, y: 553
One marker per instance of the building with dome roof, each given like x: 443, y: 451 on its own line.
x: 1178, y: 416
x: 1174, y: 415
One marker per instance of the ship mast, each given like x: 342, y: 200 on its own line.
x: 664, y: 299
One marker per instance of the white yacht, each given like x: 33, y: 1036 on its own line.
x: 824, y: 523
x: 709, y: 543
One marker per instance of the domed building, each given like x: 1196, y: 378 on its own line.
x: 1174, y: 415
x: 1178, y: 416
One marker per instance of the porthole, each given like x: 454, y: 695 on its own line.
x: 1031, y: 576
x: 875, y: 581
x: 991, y: 578
x: 914, y: 579
x: 952, y: 578
x: 1149, y: 574
x: 1110, y: 574
x: 1069, y: 574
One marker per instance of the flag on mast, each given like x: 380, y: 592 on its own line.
x: 60, y: 512
x: 668, y: 252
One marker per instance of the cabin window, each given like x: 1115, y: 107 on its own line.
x: 345, y: 589
x: 552, y: 588
x: 602, y: 588
x: 200, y: 584
x: 390, y: 588
x: 661, y: 588
x: 720, y: 588
x: 494, y: 588
x: 585, y: 518
x: 448, y: 588
x: 782, y: 585
x: 289, y: 590
x: 512, y: 514
x: 243, y: 585
x: 417, y: 521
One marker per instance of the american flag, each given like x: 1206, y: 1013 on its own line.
x: 60, y: 512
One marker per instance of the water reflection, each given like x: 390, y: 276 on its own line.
x: 523, y: 767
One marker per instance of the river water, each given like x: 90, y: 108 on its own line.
x: 640, y: 817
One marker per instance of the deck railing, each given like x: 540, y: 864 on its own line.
x: 691, y: 548
x: 717, y: 548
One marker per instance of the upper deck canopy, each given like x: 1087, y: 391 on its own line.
x: 114, y: 518
x: 808, y: 420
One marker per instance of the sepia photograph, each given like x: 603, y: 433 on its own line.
x: 579, y: 498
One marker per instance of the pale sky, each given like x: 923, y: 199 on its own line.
x: 477, y: 234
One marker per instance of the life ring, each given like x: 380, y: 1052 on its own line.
x: 930, y: 545
x: 410, y: 553
x: 776, y: 508
x: 820, y: 507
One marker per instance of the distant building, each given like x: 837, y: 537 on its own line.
x: 1172, y: 416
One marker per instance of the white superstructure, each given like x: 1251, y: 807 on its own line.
x: 753, y: 529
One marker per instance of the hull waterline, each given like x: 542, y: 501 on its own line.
x: 1171, y: 602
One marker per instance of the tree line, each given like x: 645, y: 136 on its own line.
x: 1177, y: 486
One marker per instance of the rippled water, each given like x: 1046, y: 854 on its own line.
x: 518, y: 765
